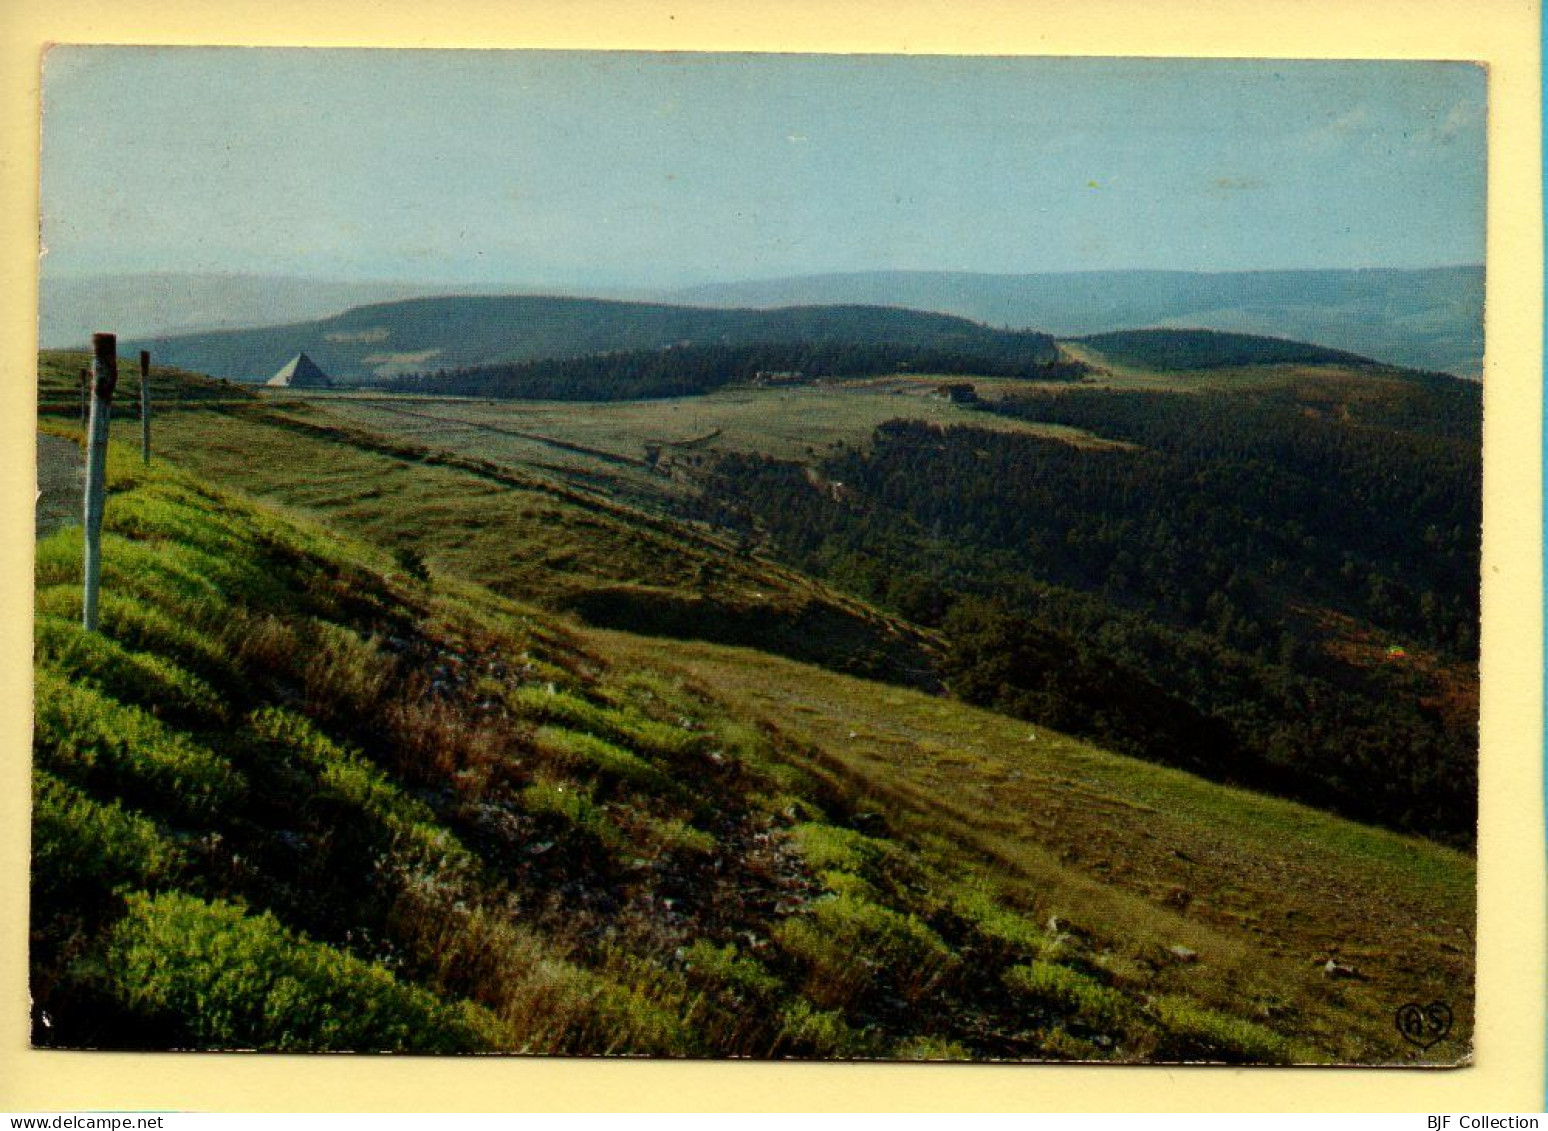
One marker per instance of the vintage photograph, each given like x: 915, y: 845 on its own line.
x: 775, y: 556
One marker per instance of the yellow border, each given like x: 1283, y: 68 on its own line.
x: 1508, y: 1073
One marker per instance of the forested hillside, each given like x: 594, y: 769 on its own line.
x: 1211, y: 349
x: 688, y: 370
x: 1277, y: 587
x: 416, y: 335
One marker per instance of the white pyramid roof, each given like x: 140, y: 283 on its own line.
x: 300, y: 372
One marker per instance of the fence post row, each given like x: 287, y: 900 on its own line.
x: 104, y: 376
x: 145, y: 405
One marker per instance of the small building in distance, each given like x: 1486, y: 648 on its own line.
x: 300, y: 372
x: 767, y: 378
x: 957, y: 392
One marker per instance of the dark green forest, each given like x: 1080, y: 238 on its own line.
x: 1169, y: 349
x: 1187, y: 598
x: 689, y: 370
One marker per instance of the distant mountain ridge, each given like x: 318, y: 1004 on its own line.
x: 1429, y: 318
x: 380, y: 341
x: 146, y: 305
x: 164, y: 304
x: 1424, y: 318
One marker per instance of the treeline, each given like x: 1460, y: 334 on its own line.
x: 1177, y: 599
x: 689, y: 370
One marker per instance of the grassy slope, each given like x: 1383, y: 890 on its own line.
x: 902, y: 831
x: 608, y: 443
x: 1265, y: 890
x: 561, y: 545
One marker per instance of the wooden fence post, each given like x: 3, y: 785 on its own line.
x: 145, y: 407
x: 104, y: 376
x: 85, y: 397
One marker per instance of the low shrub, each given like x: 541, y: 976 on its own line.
x: 150, y: 681
x: 230, y: 980
x: 1072, y: 995
x: 83, y: 849
x: 419, y: 841
x: 81, y: 734
x: 578, y: 750
x: 573, y: 805
x: 850, y: 944
x: 1192, y: 1032
x: 830, y: 847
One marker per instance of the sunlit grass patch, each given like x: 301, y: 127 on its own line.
x: 672, y: 834
x: 807, y: 1031
x: 1017, y: 933
x: 729, y: 969
x: 166, y: 513
x: 828, y: 847
x: 550, y: 704
x: 576, y: 750
x: 930, y: 1048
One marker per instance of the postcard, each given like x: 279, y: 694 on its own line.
x: 550, y: 556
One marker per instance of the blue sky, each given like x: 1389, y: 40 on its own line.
x: 619, y: 169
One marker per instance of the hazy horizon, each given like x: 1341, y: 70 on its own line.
x: 619, y: 170
x: 405, y: 281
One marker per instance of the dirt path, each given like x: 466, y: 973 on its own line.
x: 61, y: 480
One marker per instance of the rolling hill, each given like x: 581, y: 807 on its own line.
x: 1177, y: 350
x: 71, y: 309
x: 379, y: 341
x: 1425, y: 319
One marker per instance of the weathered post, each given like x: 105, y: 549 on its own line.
x: 145, y: 405
x: 104, y: 376
x: 85, y: 396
